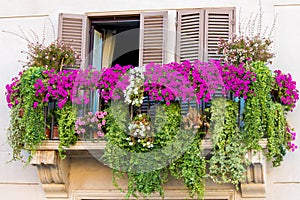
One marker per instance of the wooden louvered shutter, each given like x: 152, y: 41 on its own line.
x: 189, y: 35
x: 153, y: 27
x: 219, y: 23
x: 72, y: 31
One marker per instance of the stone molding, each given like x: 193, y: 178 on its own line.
x: 54, y: 172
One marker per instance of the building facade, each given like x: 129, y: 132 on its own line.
x: 81, y: 176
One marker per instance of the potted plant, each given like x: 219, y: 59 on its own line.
x: 38, y: 84
x: 89, y: 126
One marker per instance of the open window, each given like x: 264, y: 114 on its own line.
x: 114, y: 40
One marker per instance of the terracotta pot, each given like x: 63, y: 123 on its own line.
x: 55, y: 133
x: 47, y: 132
x: 95, y: 136
x: 21, y: 112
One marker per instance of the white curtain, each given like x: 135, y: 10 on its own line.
x: 109, y: 41
x: 97, y: 50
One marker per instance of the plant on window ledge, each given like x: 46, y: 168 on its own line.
x: 43, y: 80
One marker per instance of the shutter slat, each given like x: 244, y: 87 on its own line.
x: 218, y: 26
x: 152, y: 37
x: 72, y: 30
x: 189, y: 37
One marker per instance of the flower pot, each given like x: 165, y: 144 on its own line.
x: 95, y: 136
x: 55, y: 133
x: 47, y: 132
x: 21, y: 112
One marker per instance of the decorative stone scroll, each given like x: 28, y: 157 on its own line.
x: 53, y: 173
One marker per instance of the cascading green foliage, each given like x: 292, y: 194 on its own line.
x: 191, y: 167
x: 257, y: 106
x: 276, y: 133
x: 147, y: 169
x: 26, y: 131
x: 228, y: 163
x: 66, y: 126
x: 263, y: 117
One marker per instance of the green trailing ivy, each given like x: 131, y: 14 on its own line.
x: 26, y: 130
x: 66, y: 127
x: 263, y: 117
x: 276, y: 133
x: 191, y: 167
x: 171, y: 146
x: 257, y: 106
x: 228, y: 163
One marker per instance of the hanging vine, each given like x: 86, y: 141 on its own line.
x: 228, y: 163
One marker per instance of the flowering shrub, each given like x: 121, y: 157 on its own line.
x: 237, y: 79
x: 134, y: 91
x: 12, y: 91
x: 187, y: 81
x: 91, y: 123
x: 109, y: 79
x: 192, y: 73
x: 54, y: 56
x: 244, y: 49
x: 284, y: 90
x: 291, y: 137
x: 56, y: 86
x: 164, y: 83
x: 140, y: 131
x: 86, y: 81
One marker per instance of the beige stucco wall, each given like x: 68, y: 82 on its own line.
x: 285, y: 180
x: 18, y: 182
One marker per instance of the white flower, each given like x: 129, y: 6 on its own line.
x: 130, y: 143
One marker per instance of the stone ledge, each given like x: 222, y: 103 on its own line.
x: 100, y: 145
x: 253, y: 190
x: 54, y: 172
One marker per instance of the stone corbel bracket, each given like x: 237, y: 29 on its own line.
x: 255, y: 187
x: 53, y: 173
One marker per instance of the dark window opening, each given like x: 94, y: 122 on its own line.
x: 114, y: 40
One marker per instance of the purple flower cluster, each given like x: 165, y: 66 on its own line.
x: 86, y: 81
x: 236, y: 79
x: 192, y: 72
x: 110, y: 78
x: 286, y: 89
x: 57, y: 86
x: 12, y: 91
x: 291, y: 137
x: 91, y: 122
x: 163, y: 82
x: 209, y: 71
x: 187, y: 80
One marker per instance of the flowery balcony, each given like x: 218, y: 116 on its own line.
x: 219, y: 120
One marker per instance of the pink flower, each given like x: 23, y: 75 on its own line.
x: 35, y: 104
